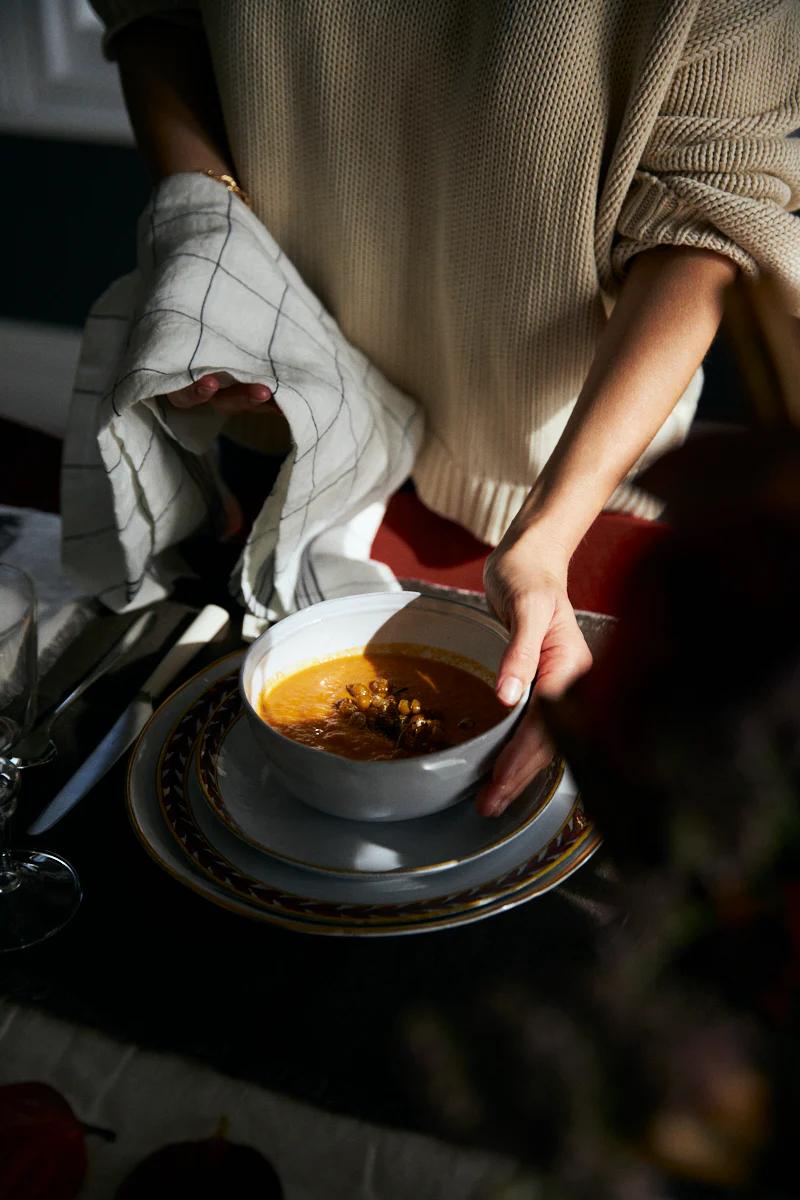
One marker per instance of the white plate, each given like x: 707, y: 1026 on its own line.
x: 216, y: 864
x: 243, y: 793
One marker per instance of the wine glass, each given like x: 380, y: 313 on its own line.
x: 39, y: 892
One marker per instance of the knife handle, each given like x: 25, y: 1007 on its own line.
x: 203, y: 628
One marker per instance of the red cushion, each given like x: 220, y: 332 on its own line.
x: 418, y: 544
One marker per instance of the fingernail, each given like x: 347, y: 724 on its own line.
x: 261, y: 394
x: 510, y: 690
x: 207, y: 385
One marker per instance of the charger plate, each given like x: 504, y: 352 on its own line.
x: 172, y: 819
x: 241, y: 790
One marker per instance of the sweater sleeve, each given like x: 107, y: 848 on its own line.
x: 721, y: 169
x: 117, y: 14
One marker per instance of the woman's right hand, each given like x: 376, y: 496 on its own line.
x: 225, y: 398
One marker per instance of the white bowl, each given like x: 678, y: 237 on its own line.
x: 392, y: 790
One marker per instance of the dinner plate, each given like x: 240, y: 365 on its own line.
x: 193, y: 847
x: 260, y: 877
x: 243, y: 793
x: 284, y: 890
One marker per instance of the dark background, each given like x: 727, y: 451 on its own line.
x: 71, y: 225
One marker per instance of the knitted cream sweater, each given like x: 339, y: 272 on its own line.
x: 463, y: 182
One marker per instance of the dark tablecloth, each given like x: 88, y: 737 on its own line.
x: 322, y: 1019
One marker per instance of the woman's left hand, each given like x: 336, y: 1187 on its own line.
x: 526, y: 585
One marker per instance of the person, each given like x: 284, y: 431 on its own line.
x: 526, y: 214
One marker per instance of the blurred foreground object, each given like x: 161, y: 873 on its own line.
x: 694, y: 706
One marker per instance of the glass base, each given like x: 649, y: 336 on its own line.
x: 41, y: 895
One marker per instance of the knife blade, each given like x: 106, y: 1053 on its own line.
x: 132, y: 721
x: 34, y: 746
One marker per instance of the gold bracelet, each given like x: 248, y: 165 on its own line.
x: 231, y: 184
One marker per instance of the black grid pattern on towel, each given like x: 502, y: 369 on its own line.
x: 262, y: 354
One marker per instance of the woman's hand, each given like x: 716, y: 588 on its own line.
x: 526, y: 585
x: 227, y: 399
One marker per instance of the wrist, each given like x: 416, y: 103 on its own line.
x: 539, y: 545
x: 542, y: 529
x: 558, y: 511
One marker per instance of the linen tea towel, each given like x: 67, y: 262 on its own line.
x: 214, y: 293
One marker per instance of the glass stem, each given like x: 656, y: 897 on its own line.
x: 9, y: 786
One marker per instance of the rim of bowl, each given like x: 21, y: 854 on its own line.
x: 378, y: 765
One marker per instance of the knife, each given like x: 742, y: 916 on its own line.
x: 36, y: 748
x: 129, y: 725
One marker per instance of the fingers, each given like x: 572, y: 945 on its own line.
x: 520, y: 760
x: 196, y: 393
x: 235, y: 397
x: 528, y: 625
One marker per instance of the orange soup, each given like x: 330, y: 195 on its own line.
x: 382, y: 704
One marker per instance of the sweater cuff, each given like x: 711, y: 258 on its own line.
x: 654, y: 215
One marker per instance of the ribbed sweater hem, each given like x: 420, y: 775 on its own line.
x: 486, y: 506
x: 483, y: 506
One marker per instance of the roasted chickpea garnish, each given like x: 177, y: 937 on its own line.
x: 417, y: 725
x: 378, y: 706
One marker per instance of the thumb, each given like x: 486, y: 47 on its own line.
x: 528, y: 625
x: 564, y: 655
